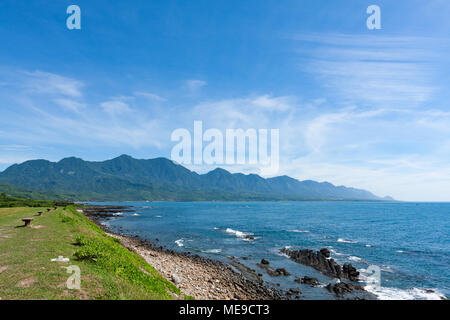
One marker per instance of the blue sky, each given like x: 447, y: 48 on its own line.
x: 368, y: 109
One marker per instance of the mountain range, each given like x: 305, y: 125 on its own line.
x: 125, y: 178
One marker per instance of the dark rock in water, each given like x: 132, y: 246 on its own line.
x: 350, y: 272
x: 265, y: 261
x: 325, y: 252
x: 293, y: 291
x: 341, y: 288
x: 273, y: 272
x: 319, y: 261
x: 308, y: 280
x: 282, y: 272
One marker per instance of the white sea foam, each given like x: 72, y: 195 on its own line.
x: 336, y: 252
x: 213, y: 251
x: 346, y: 241
x: 282, y: 254
x: 299, y: 231
x: 238, y: 233
x: 158, y: 216
x: 180, y: 242
x: 356, y: 259
x: 387, y: 269
x: 386, y: 293
x: 399, y: 251
x: 368, y: 246
x: 136, y: 214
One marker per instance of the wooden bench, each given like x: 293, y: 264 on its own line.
x: 27, y: 221
x: 48, y: 209
x: 39, y: 213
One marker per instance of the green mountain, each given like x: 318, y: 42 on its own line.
x: 126, y: 178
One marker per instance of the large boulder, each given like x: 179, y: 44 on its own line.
x: 342, y: 288
x: 307, y: 280
x: 322, y: 262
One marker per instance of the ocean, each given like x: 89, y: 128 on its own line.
x: 408, y: 242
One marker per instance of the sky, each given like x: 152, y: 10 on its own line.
x: 355, y: 107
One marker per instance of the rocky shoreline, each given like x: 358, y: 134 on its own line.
x: 196, y: 276
x: 207, y: 279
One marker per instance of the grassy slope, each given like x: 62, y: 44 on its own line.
x: 108, y: 270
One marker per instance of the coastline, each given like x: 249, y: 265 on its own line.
x: 196, y: 276
x: 325, y: 288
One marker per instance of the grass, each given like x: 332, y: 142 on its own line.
x: 108, y: 270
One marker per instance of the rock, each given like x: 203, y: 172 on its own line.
x: 273, y: 272
x: 320, y: 261
x: 308, y: 280
x: 293, y: 291
x: 282, y: 272
x: 350, y: 272
x: 325, y: 252
x: 176, y: 279
x: 341, y: 288
x: 265, y: 261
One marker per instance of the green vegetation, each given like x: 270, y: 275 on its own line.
x: 15, y: 202
x: 108, y: 270
x: 17, y: 192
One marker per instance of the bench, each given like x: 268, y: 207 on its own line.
x: 27, y: 221
x: 48, y: 209
x: 39, y: 213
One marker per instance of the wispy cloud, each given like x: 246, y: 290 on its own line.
x: 374, y: 70
x: 194, y: 85
x: 48, y: 83
x: 150, y: 96
x: 115, y: 107
x: 70, y: 105
x: 247, y: 112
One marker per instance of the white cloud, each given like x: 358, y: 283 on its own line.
x: 115, y: 107
x: 70, y: 105
x: 272, y: 103
x: 374, y: 70
x: 150, y: 96
x: 50, y: 83
x: 195, y: 85
x: 262, y: 111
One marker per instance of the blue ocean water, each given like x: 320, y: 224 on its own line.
x: 410, y: 242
